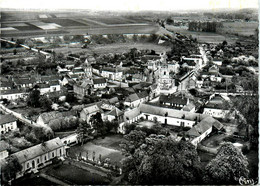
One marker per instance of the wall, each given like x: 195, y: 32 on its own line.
x: 197, y: 140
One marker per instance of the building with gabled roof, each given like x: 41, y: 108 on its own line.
x: 12, y: 94
x: 39, y: 155
x: 200, y: 125
x: 7, y: 123
x: 99, y: 83
x: 90, y: 110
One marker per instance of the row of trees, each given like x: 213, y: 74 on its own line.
x: 203, y: 26
x: 157, y: 159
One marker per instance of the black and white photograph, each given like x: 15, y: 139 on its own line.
x: 129, y: 92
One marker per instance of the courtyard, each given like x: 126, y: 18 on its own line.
x: 107, y: 147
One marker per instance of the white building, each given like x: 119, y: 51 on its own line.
x: 112, y: 73
x: 12, y: 94
x: 39, y: 156
x: 8, y: 123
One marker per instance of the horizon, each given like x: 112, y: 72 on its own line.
x: 129, y: 6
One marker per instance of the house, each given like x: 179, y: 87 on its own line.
x: 217, y: 61
x: 6, y: 85
x: 8, y: 123
x: 203, y: 129
x: 192, y: 61
x: 99, y: 83
x: 54, y: 116
x: 54, y: 86
x: 78, y: 71
x: 114, y: 114
x: 4, y: 146
x: 152, y: 65
x: 217, y: 107
x: 112, y: 73
x: 47, y: 79
x: 90, y: 110
x: 154, y: 90
x: 173, y: 101
x: 39, y: 155
x: 44, y: 88
x: 133, y: 100
x: 83, y: 89
x: 24, y: 82
x: 12, y: 94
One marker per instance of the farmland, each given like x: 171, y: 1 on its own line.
x: 240, y: 28
x: 26, y: 24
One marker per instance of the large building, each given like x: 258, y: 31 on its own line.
x: 39, y: 155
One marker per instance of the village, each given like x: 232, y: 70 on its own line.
x: 68, y: 114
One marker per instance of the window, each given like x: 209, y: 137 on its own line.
x: 60, y: 152
x: 28, y: 165
x: 45, y: 158
x: 53, y: 154
x: 38, y: 161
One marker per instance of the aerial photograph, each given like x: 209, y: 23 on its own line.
x: 129, y: 92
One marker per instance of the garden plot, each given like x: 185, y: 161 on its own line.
x: 47, y: 26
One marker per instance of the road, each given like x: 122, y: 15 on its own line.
x: 21, y: 117
x: 27, y: 47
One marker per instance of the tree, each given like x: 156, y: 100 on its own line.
x: 227, y: 167
x: 45, y: 102
x: 161, y: 160
x: 34, y: 98
x: 98, y: 124
x: 84, y: 130
x: 10, y: 169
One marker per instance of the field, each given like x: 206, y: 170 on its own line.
x: 72, y: 174
x: 203, y: 37
x: 35, y: 23
x: 63, y: 22
x: 113, y: 48
x: 107, y: 147
x: 240, y: 28
x: 25, y: 181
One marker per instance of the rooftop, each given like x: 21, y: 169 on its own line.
x: 7, y: 119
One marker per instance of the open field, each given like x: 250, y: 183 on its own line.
x: 113, y: 48
x: 26, y: 24
x: 32, y: 180
x: 203, y: 37
x: 240, y: 28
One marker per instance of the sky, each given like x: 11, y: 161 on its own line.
x: 129, y: 5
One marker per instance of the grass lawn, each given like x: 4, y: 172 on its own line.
x: 113, y: 155
x: 111, y: 141
x: 76, y: 175
x: 32, y: 180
